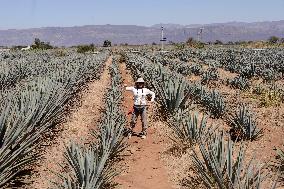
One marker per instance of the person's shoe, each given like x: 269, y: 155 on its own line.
x: 143, y: 135
x: 130, y: 133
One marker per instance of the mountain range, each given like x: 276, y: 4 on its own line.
x: 133, y: 34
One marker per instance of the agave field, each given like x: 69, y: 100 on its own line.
x: 35, y: 91
x: 221, y: 105
x: 219, y: 151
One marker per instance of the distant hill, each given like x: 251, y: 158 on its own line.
x: 132, y: 34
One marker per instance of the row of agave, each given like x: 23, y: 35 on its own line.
x: 180, y: 67
x: 185, y: 68
x: 93, y: 167
x: 175, y: 86
x: 33, y: 106
x: 265, y: 63
x: 25, y: 66
x: 178, y: 90
x: 215, y: 160
x: 242, y: 81
x: 214, y: 103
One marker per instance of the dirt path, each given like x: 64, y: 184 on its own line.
x: 78, y: 128
x: 144, y: 167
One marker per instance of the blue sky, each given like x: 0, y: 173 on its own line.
x: 41, y: 13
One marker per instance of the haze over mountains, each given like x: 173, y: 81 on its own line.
x: 132, y: 34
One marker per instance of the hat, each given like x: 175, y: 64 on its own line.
x: 140, y: 80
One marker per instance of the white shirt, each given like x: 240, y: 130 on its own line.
x: 140, y: 95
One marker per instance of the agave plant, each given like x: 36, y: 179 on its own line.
x: 15, y: 152
x: 248, y: 71
x: 214, y: 103
x: 188, y: 130
x: 86, y: 169
x: 243, y: 125
x: 210, y: 75
x: 220, y: 165
x: 111, y: 130
x: 240, y: 83
x: 196, y: 69
x: 268, y: 74
x: 173, y: 93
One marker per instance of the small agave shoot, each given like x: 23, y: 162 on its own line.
x: 244, y: 125
x: 219, y: 164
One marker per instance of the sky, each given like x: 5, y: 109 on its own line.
x: 16, y: 14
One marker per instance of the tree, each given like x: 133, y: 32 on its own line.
x: 273, y: 39
x: 218, y: 42
x: 41, y: 45
x: 37, y: 41
x: 190, y: 41
x: 107, y: 43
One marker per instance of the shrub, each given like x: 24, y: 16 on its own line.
x: 85, y: 48
x: 273, y: 39
x: 107, y: 43
x: 270, y: 98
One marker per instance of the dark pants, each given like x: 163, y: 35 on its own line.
x: 139, y: 110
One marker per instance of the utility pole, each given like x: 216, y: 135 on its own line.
x: 199, y: 34
x: 162, y: 37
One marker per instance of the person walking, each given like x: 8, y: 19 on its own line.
x: 139, y: 108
